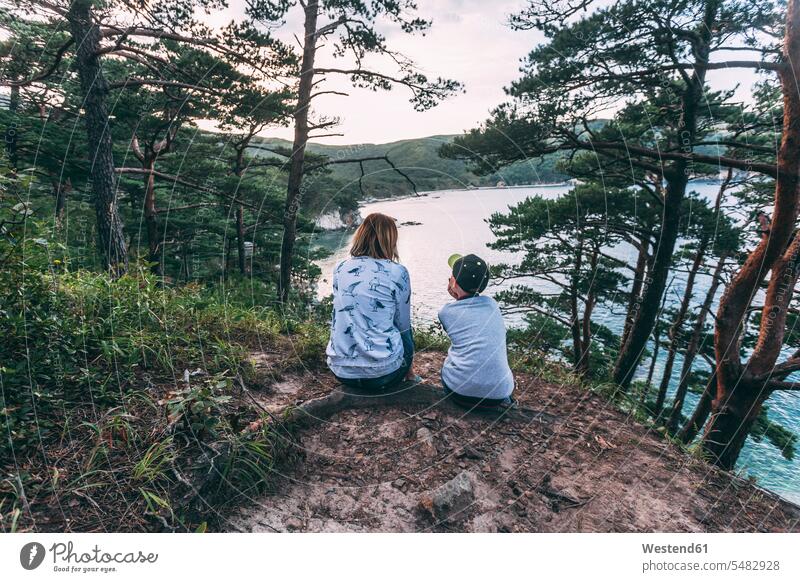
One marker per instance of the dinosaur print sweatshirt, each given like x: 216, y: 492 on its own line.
x: 371, y: 308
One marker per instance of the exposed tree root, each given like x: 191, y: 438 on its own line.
x: 344, y: 398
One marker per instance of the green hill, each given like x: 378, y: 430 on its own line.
x: 419, y: 160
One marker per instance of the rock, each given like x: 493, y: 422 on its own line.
x: 425, y: 436
x: 471, y: 453
x: 399, y: 483
x: 337, y: 220
x: 449, y: 501
x: 196, y: 372
x: 484, y: 523
x: 293, y: 524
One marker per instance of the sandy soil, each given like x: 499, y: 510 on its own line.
x: 592, y: 469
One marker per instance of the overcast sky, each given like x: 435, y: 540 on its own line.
x: 470, y: 42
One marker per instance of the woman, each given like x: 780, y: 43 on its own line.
x: 371, y: 344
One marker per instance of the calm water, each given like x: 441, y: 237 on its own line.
x: 435, y: 226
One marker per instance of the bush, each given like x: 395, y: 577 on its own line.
x: 431, y: 337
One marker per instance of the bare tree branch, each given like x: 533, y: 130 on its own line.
x: 46, y: 73
x: 179, y: 180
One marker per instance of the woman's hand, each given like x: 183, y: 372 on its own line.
x: 411, y: 375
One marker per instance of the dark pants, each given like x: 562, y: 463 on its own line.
x: 392, y: 378
x: 473, y: 401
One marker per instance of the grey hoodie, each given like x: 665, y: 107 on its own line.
x: 477, y: 363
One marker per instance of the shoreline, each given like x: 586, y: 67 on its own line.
x: 426, y: 193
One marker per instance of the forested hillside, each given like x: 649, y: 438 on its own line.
x: 420, y: 160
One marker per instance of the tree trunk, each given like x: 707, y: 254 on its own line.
x: 62, y: 190
x: 677, y: 326
x: 301, y: 130
x: 243, y: 266
x: 740, y: 395
x: 151, y: 219
x: 631, y: 352
x: 731, y: 422
x: 677, y: 177
x: 575, y: 328
x: 226, y: 267
x: 586, y: 327
x: 648, y: 383
x: 586, y: 343
x: 238, y: 170
x: 185, y: 256
x: 575, y: 318
x: 701, y: 411
x: 12, y: 131
x: 736, y: 408
x: 639, y: 276
x: 656, y: 347
x: 86, y: 35
x: 693, y: 347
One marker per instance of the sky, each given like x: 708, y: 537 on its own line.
x: 469, y: 41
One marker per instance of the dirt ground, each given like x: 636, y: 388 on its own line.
x: 592, y: 469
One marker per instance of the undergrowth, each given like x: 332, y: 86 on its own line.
x: 123, y: 404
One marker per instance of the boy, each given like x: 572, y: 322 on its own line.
x: 476, y: 370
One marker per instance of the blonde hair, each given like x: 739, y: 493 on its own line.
x: 376, y: 238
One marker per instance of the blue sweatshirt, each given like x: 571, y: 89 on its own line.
x: 371, y: 307
x: 477, y: 363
